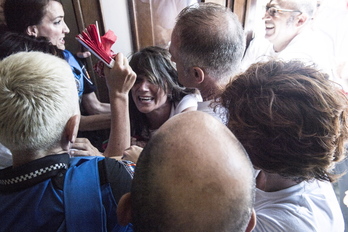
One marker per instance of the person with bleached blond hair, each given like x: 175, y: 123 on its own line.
x: 46, y: 189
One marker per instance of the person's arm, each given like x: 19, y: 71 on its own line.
x: 132, y: 153
x: 93, y: 106
x: 95, y: 122
x: 120, y: 79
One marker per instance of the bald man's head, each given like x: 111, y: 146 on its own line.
x: 192, y: 176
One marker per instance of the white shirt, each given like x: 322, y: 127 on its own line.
x: 308, y: 206
x: 214, y: 110
x: 310, y: 46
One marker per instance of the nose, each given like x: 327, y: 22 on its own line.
x: 144, y: 85
x: 66, y: 29
x: 266, y: 16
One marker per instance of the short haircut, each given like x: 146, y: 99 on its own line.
x: 20, y: 14
x: 37, y: 97
x: 185, y: 182
x: 289, y: 117
x: 211, y: 37
x: 308, y: 7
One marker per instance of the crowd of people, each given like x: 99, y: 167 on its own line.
x: 203, y: 136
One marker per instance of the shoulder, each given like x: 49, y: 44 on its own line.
x: 259, y: 50
x: 113, y: 167
x: 214, y: 109
x: 189, y: 100
x: 111, y: 173
x: 280, y: 211
x: 308, y: 206
x: 71, y: 59
x: 118, y: 174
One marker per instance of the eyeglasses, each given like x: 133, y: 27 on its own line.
x: 271, y: 10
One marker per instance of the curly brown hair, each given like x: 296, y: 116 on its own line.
x: 290, y: 118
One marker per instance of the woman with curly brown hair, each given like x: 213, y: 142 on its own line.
x: 292, y: 121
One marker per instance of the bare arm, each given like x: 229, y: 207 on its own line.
x: 93, y: 106
x: 132, y: 153
x: 95, y: 122
x: 120, y: 80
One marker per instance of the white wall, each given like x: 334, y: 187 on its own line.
x: 116, y: 18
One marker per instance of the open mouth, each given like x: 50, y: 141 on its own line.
x: 269, y: 27
x: 145, y: 99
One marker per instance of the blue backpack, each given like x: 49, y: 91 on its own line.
x: 83, y: 200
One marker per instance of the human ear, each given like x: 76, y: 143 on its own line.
x: 252, y: 222
x: 301, y: 20
x: 124, y: 210
x: 70, y: 131
x: 198, y: 74
x: 32, y: 31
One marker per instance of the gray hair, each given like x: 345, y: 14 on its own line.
x: 210, y: 37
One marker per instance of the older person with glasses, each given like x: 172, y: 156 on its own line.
x: 289, y: 35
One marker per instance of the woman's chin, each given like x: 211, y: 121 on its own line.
x: 60, y: 46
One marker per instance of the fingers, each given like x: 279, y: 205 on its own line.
x: 125, y: 61
x: 120, y: 59
x: 83, y: 55
x: 83, y: 147
x: 81, y: 144
x: 120, y: 79
x: 74, y: 152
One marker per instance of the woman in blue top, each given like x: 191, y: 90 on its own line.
x: 45, y: 18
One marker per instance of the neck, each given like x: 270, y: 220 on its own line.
x: 157, y: 117
x: 271, y: 182
x: 281, y: 46
x: 23, y: 157
x: 209, y: 89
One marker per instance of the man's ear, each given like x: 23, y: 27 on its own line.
x: 32, y: 31
x: 252, y: 222
x: 301, y: 20
x: 70, y: 131
x: 124, y: 210
x: 197, y: 74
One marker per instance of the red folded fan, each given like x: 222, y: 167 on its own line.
x: 100, y: 46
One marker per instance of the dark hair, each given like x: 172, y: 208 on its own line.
x: 289, y: 117
x: 12, y: 42
x: 210, y: 36
x: 154, y: 63
x: 20, y: 14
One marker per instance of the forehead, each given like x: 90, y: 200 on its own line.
x: 174, y: 43
x: 142, y: 76
x: 277, y: 3
x: 54, y: 9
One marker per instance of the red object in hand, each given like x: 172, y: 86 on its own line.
x: 100, y: 46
